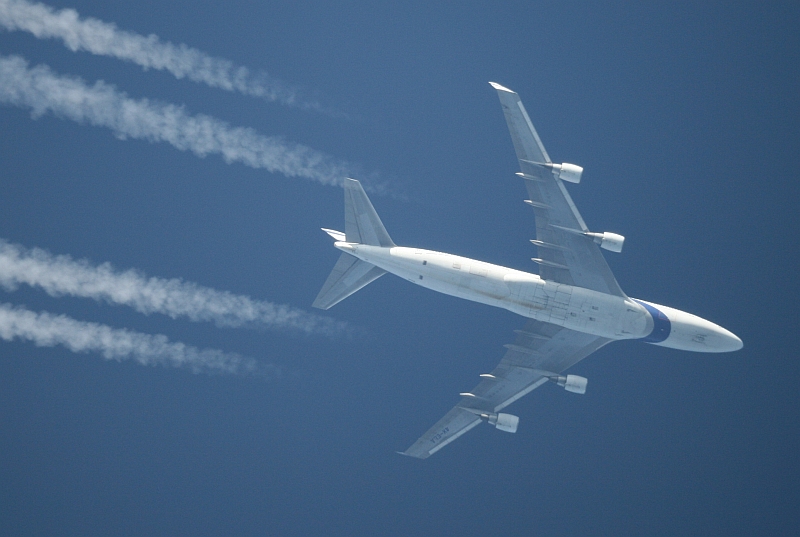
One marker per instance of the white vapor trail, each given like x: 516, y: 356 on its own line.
x: 61, y: 275
x: 48, y: 330
x: 42, y: 90
x: 105, y: 39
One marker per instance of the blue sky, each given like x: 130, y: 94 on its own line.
x: 685, y: 120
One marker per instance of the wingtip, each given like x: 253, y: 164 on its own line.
x: 406, y: 454
x: 498, y: 87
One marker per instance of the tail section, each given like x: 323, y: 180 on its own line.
x: 348, y: 276
x: 362, y: 226
x: 361, y: 223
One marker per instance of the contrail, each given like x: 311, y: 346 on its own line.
x: 101, y: 104
x: 61, y: 275
x: 105, y: 39
x: 48, y: 330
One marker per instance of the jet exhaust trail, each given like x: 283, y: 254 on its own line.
x: 105, y: 39
x: 42, y: 90
x: 48, y: 330
x: 61, y: 275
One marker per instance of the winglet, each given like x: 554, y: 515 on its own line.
x: 498, y: 87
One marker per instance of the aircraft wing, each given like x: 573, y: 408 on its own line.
x: 540, y: 349
x: 565, y: 254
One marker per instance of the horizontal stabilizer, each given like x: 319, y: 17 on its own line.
x: 348, y: 276
x: 338, y: 236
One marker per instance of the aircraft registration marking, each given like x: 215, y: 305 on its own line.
x: 438, y: 436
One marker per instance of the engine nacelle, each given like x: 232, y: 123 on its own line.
x: 569, y: 172
x: 573, y: 383
x: 608, y: 241
x: 504, y: 422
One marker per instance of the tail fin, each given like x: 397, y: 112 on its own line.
x: 361, y: 223
x: 362, y: 226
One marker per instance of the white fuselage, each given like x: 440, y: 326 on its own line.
x: 526, y: 294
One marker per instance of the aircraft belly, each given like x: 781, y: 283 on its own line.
x: 576, y: 308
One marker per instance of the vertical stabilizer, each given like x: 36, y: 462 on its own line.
x: 361, y: 223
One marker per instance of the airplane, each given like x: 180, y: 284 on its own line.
x: 574, y: 305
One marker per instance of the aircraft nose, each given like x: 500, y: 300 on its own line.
x: 725, y: 340
x: 732, y: 342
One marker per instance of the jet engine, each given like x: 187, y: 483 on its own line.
x: 569, y: 172
x: 503, y: 422
x: 608, y: 241
x: 572, y: 383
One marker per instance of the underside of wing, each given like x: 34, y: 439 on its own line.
x: 540, y: 351
x: 566, y: 253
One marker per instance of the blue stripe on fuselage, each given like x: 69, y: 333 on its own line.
x: 661, y: 324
